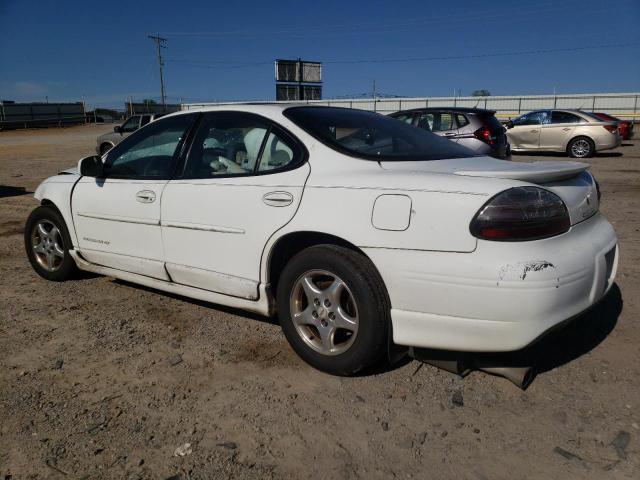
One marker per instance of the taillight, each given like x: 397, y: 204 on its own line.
x: 519, y: 214
x: 484, y: 134
x: 611, y: 128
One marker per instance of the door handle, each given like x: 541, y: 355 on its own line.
x: 146, y: 196
x: 449, y: 134
x: 534, y: 131
x: 277, y: 199
x: 566, y: 129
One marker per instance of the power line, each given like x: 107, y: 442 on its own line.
x: 214, y: 64
x: 520, y: 13
x: 485, y: 55
x: 159, y: 41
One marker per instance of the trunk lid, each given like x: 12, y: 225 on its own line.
x: 569, y: 180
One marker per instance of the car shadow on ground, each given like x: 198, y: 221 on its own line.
x: 202, y: 303
x: 555, y: 348
x: 8, y: 191
x: 570, y: 340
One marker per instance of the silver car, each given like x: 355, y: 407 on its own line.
x: 476, y: 128
x: 579, y: 134
x: 107, y: 141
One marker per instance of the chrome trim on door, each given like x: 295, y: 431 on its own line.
x: 278, y: 199
x: 117, y: 218
x: 205, y: 228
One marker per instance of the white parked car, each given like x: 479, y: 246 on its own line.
x: 351, y: 226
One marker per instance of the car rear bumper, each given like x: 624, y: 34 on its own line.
x: 501, y: 150
x: 608, y: 142
x: 500, y: 297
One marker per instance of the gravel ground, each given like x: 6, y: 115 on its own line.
x: 104, y: 379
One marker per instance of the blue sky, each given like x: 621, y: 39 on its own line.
x: 99, y: 50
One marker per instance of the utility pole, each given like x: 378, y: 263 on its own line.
x: 159, y: 41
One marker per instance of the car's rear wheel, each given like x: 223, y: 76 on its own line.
x: 334, y: 309
x: 47, y: 243
x: 581, y: 147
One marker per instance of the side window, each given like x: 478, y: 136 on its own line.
x: 236, y: 144
x: 436, y: 121
x: 462, y: 120
x: 145, y: 119
x: 532, y: 118
x: 405, y: 118
x: 276, y: 154
x: 149, y: 153
x: 131, y: 125
x: 565, y: 117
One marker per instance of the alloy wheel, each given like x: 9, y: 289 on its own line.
x: 580, y: 148
x: 324, y: 312
x: 47, y: 245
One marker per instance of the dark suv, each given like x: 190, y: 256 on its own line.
x: 475, y: 128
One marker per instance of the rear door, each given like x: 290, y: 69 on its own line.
x: 243, y: 180
x: 441, y: 123
x: 555, y: 135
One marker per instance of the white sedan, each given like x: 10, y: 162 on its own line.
x: 359, y: 231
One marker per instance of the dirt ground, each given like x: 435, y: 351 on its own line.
x: 104, y: 379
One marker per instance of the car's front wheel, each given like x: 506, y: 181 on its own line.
x: 47, y: 243
x: 334, y: 309
x: 581, y: 147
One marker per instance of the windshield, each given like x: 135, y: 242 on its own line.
x: 373, y: 136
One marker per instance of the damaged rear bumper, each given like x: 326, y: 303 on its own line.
x: 502, y: 296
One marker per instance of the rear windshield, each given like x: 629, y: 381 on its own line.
x: 373, y: 136
x: 597, y: 118
x: 492, y: 123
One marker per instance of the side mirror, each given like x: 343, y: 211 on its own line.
x: 117, y: 129
x: 91, y: 166
x: 509, y: 124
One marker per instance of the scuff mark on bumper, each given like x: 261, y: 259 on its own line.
x: 522, y: 269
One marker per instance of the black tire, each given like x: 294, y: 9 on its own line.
x: 588, y: 147
x: 105, y: 147
x: 368, y: 293
x: 65, y: 267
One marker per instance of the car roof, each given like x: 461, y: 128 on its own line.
x: 484, y: 111
x: 258, y: 108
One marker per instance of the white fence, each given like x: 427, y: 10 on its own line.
x: 623, y: 105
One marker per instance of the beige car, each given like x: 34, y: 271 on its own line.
x: 577, y: 133
x: 107, y: 141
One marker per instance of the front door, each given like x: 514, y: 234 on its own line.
x: 243, y: 180
x: 117, y: 218
x: 525, y: 133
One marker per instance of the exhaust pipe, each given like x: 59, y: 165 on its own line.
x: 463, y: 363
x: 519, y: 376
